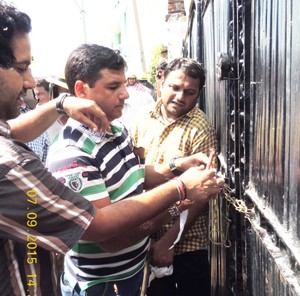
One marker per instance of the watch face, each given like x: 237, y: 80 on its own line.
x: 172, y: 164
x: 176, y: 172
x: 60, y: 111
x: 173, y: 168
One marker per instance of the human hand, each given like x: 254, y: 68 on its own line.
x: 184, y: 163
x: 87, y: 112
x: 161, y: 255
x: 201, y: 184
x: 185, y: 205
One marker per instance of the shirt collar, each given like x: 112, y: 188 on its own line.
x: 115, y: 125
x: 5, y: 130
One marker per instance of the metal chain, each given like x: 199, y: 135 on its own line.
x: 238, y: 204
x: 217, y: 236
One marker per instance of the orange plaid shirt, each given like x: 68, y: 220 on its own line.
x: 187, y: 135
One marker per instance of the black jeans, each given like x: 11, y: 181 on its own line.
x: 190, y: 276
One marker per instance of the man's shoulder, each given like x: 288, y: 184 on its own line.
x: 143, y: 120
x: 197, y: 112
x: 198, y: 117
x: 13, y: 150
x: 72, y: 143
x: 15, y: 155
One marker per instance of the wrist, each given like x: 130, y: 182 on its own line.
x: 173, y: 167
x: 181, y: 189
x: 60, y: 103
x: 174, y: 210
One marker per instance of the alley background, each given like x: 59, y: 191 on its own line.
x: 135, y: 27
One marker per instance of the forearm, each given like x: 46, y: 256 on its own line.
x: 130, y: 212
x: 125, y: 239
x: 32, y: 124
x: 124, y: 215
x: 157, y: 174
x: 169, y: 237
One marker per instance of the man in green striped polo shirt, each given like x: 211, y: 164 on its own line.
x: 103, y: 168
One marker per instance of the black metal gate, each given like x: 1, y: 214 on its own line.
x: 251, y: 50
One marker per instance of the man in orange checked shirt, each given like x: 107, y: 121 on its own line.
x: 178, y: 128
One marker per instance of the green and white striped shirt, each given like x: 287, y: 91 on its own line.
x: 96, y: 166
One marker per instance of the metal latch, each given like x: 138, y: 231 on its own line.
x: 223, y: 66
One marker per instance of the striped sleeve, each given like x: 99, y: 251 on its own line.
x: 36, y: 203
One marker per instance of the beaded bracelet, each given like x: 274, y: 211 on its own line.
x: 174, y: 210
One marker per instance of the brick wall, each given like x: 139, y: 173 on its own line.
x: 175, y: 6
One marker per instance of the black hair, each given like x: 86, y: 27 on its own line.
x: 160, y: 70
x: 189, y: 66
x: 42, y: 82
x: 12, y: 22
x: 86, y: 61
x: 162, y: 66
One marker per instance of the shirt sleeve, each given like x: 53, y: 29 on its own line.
x: 34, y: 204
x: 80, y: 172
x: 204, y: 139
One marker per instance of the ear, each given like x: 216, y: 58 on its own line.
x: 80, y: 89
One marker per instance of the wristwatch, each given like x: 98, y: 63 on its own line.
x: 60, y: 102
x: 173, y: 168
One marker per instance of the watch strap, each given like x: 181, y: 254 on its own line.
x: 60, y: 102
x: 173, y: 168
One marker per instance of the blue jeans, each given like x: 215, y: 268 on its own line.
x: 127, y: 287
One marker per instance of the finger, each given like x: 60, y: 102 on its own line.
x: 220, y: 181
x: 100, y: 119
x: 202, y: 167
x: 211, y: 172
x: 185, y: 204
x: 210, y: 158
x: 88, y: 122
x: 102, y: 125
x: 202, y: 158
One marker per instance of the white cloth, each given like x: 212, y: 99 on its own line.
x: 138, y: 103
x: 159, y: 272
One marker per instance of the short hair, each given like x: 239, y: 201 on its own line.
x: 42, y: 82
x: 87, y: 60
x: 12, y: 22
x: 161, y: 66
x: 189, y: 66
